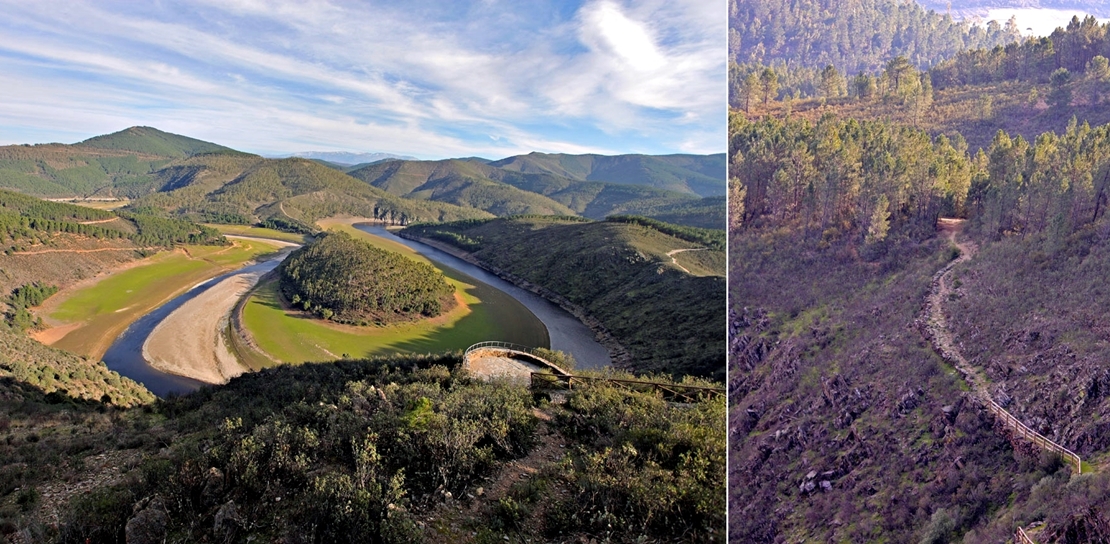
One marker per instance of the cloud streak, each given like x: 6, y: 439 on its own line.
x: 431, y: 79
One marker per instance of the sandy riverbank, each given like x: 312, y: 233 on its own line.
x: 190, y: 341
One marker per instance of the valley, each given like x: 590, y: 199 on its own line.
x: 151, y: 302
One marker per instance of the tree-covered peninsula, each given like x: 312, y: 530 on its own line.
x: 349, y: 281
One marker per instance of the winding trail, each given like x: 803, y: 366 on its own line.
x: 937, y: 323
x: 937, y: 331
x: 673, y: 252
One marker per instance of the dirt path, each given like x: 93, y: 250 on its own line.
x: 99, y: 221
x: 98, y: 250
x: 937, y: 323
x: 936, y: 329
x: 674, y: 252
x: 190, y: 341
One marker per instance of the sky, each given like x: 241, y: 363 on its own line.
x: 428, y: 79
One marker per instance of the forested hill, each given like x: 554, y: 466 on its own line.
x: 697, y: 174
x: 27, y: 222
x: 853, y: 36
x: 1067, y: 52
x: 151, y: 141
x: 867, y: 180
x: 208, y: 182
x: 347, y: 280
x: 656, y: 287
x: 832, y: 251
x: 593, y: 186
x: 1024, y: 89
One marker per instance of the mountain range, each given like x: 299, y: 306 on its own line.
x: 209, y: 182
x: 344, y: 158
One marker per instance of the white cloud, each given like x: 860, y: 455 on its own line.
x: 428, y: 80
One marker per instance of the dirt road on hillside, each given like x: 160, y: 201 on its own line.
x: 672, y: 253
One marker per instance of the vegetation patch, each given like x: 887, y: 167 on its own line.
x: 345, y: 280
x: 620, y: 272
x: 485, y: 313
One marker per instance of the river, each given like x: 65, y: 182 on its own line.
x: 566, y: 332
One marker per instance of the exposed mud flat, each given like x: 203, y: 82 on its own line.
x: 190, y: 341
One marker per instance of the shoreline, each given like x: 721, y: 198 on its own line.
x: 617, y: 353
x: 189, y: 342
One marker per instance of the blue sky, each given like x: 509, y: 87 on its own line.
x: 429, y: 79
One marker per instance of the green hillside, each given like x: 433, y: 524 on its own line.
x: 347, y: 280
x: 123, y: 164
x: 26, y: 221
x: 504, y: 191
x: 705, y: 213
x: 458, y: 182
x: 247, y: 189
x: 668, y: 319
x: 405, y: 449
x: 56, y: 170
x: 702, y: 175
x: 151, y: 141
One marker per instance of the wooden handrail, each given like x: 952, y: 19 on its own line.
x: 1021, y: 538
x: 1033, y: 436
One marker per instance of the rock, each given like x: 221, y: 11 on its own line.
x: 227, y: 521
x: 213, y: 487
x: 148, y: 524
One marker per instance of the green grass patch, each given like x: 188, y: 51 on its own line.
x: 106, y: 308
x: 294, y: 337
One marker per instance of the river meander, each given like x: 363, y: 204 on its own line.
x: 565, y: 332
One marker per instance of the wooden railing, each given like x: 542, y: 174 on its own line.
x: 1021, y: 538
x: 493, y: 344
x: 1033, y: 436
x: 529, y: 353
x: 674, y: 392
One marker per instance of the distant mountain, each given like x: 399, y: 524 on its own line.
x: 460, y: 182
x: 702, y: 175
x: 210, y: 182
x: 348, y: 159
x: 118, y: 164
x: 541, y: 183
x: 151, y: 141
x: 238, y: 190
